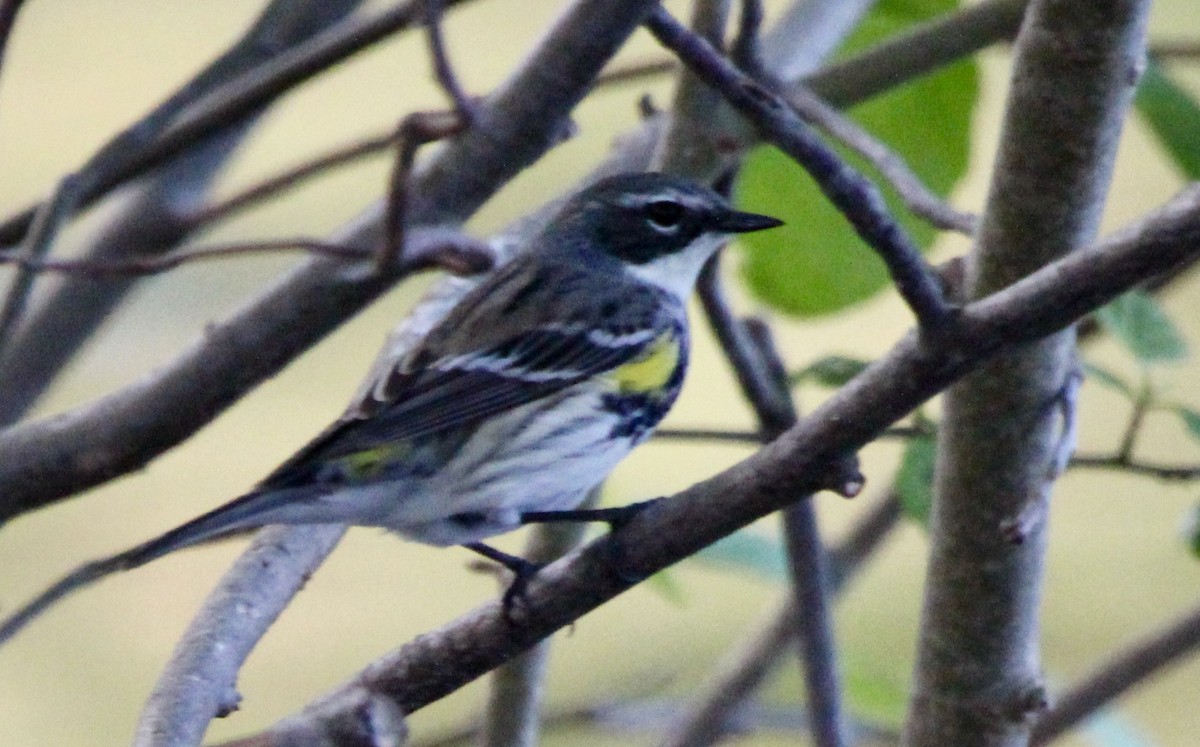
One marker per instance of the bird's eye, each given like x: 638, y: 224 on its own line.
x: 664, y: 213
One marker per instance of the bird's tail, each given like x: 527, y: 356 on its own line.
x: 243, y: 512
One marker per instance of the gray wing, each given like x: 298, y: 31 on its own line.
x: 445, y: 385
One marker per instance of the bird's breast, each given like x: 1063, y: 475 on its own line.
x: 645, y: 388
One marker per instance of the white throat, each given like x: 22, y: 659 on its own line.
x: 676, y: 273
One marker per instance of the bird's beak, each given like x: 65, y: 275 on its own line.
x: 737, y: 222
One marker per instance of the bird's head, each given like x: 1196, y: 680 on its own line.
x: 660, y: 228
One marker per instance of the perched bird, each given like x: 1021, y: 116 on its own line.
x: 518, y: 403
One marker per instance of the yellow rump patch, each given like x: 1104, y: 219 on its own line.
x: 363, y: 465
x: 652, y: 370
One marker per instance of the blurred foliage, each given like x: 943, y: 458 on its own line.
x: 914, y: 479
x: 1143, y: 328
x: 831, y: 371
x: 1173, y: 117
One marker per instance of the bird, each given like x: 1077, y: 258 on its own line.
x: 516, y: 405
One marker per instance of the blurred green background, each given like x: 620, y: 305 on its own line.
x: 76, y: 72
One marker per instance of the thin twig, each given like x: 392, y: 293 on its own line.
x: 764, y: 382
x: 442, y: 69
x: 746, y: 667
x: 1175, y: 50
x: 919, y: 198
x: 635, y: 71
x: 708, y: 434
x: 292, y: 177
x: 237, y: 99
x: 1120, y: 673
x: 52, y: 215
x: 855, y: 196
x: 415, y: 130
x: 165, y: 262
x: 746, y: 50
x: 455, y: 253
x: 1133, y: 428
x: 1123, y: 463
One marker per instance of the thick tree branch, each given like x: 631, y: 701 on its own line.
x: 918, y: 51
x: 1006, y: 426
x: 153, y: 221
x: 216, y: 643
x: 798, y: 462
x: 52, y: 459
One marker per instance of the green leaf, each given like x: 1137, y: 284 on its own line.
x: 1174, y: 118
x: 748, y: 551
x: 1192, y: 531
x: 875, y: 695
x: 1138, y: 322
x: 914, y: 479
x: 1190, y: 418
x: 831, y: 371
x: 1108, y: 379
x: 667, y: 586
x: 816, y: 263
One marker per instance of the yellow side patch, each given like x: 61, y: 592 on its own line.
x: 652, y: 370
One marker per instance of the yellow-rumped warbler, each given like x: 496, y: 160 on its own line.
x: 518, y: 403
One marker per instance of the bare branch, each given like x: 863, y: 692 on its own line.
x: 237, y: 99
x: 200, y: 681
x: 1179, y: 50
x: 1003, y: 430
x: 852, y: 194
x: 708, y: 434
x: 442, y: 69
x: 415, y: 130
x: 746, y: 50
x: 1122, y: 463
x: 156, y: 265
x: 918, y: 50
x: 1120, y: 673
x: 797, y: 462
x: 125, y: 430
x: 281, y: 182
x: 919, y: 198
x: 8, y: 18
x: 744, y: 669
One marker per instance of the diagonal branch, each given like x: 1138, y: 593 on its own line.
x: 150, y: 223
x: 1120, y: 673
x: 238, y: 99
x: 797, y: 462
x: 848, y: 190
x: 123, y: 431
